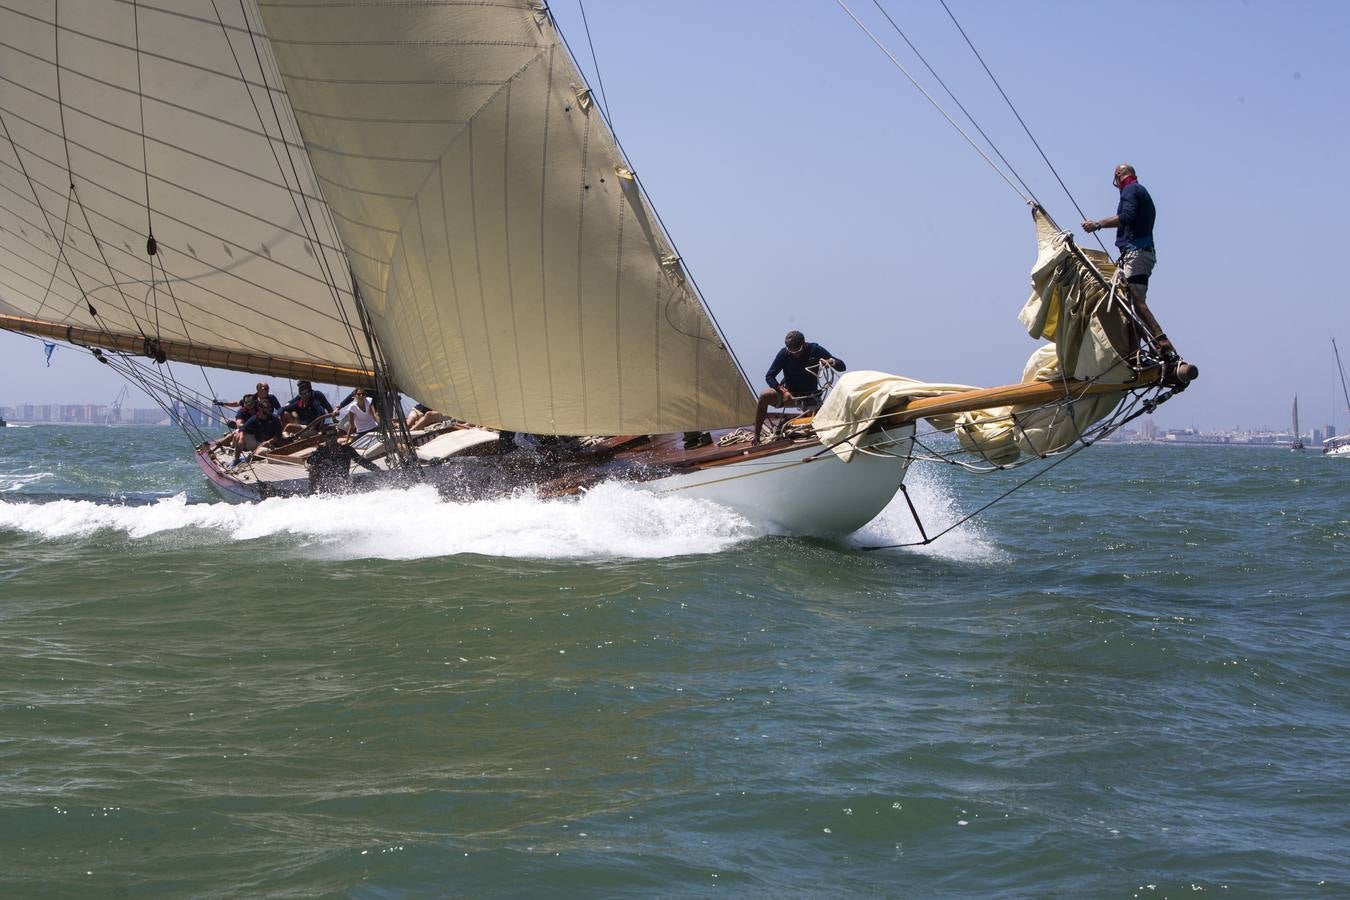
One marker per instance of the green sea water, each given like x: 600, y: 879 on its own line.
x: 1131, y: 679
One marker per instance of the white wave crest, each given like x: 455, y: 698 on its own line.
x: 939, y: 508
x: 14, y: 481
x: 609, y: 521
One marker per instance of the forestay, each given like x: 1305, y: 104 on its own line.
x: 1074, y: 305
x: 121, y: 120
x: 514, y: 273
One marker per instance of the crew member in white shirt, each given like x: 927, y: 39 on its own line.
x: 358, y: 416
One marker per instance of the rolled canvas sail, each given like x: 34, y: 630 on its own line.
x: 514, y: 274
x: 247, y: 258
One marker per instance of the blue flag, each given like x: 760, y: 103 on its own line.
x: 48, y: 348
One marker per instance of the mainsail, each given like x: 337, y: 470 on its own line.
x: 445, y: 157
x: 125, y: 121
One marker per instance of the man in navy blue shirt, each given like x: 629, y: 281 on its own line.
x: 800, y: 384
x: 1133, y: 223
x: 307, y: 406
x: 259, y: 430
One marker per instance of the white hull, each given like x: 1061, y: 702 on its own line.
x: 805, y: 491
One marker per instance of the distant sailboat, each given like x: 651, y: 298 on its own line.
x: 1339, y: 446
x: 1298, y: 437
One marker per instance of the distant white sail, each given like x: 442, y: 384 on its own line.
x: 247, y: 259
x: 514, y: 274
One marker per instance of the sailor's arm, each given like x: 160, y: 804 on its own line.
x: 771, y: 376
x: 831, y: 360
x: 1091, y: 225
x: 1126, y: 211
x: 361, y: 460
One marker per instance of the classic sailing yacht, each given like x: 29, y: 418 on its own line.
x: 425, y: 199
x: 1339, y: 446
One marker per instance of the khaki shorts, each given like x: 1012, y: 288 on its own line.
x: 1138, y: 264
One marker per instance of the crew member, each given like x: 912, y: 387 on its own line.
x: 800, y: 386
x: 1133, y: 222
x: 264, y: 395
x: 306, y: 407
x: 258, y: 431
x: 330, y: 465
x: 358, y: 415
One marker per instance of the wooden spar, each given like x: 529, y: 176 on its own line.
x: 1029, y: 394
x: 197, y: 354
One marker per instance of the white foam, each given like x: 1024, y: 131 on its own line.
x: 938, y: 507
x: 610, y: 521
x: 13, y: 481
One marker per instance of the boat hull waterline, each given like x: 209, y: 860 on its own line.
x: 795, y: 487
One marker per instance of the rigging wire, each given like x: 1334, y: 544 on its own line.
x: 1026, y: 198
x: 1124, y: 414
x: 305, y: 215
x: 151, y: 246
x: 1020, y: 121
x: 959, y: 104
x: 140, y: 100
x: 665, y: 232
x: 1000, y: 498
x: 70, y: 172
x: 59, y: 256
x: 595, y: 61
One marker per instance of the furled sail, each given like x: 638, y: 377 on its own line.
x: 1067, y: 385
x: 127, y: 120
x: 513, y: 271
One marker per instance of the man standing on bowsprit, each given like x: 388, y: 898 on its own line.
x: 1133, y: 222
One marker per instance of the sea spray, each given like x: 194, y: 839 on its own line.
x: 939, y: 506
x: 609, y: 521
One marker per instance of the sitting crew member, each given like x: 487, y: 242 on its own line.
x: 358, y: 415
x: 307, y: 406
x: 799, y: 384
x: 259, y: 430
x: 248, y: 405
x: 1133, y: 222
x: 330, y: 465
x: 264, y: 394
x: 423, y: 416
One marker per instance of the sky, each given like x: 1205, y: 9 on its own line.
x: 807, y: 184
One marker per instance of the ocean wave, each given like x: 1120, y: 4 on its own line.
x: 12, y: 482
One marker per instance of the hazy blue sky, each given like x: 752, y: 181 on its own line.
x: 808, y: 184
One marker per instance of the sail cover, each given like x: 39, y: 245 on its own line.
x: 122, y: 120
x: 514, y: 273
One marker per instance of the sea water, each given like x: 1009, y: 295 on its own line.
x: 1129, y: 679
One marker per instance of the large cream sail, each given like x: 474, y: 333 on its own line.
x: 514, y: 275
x: 123, y: 119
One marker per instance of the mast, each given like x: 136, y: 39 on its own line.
x: 1341, y: 368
